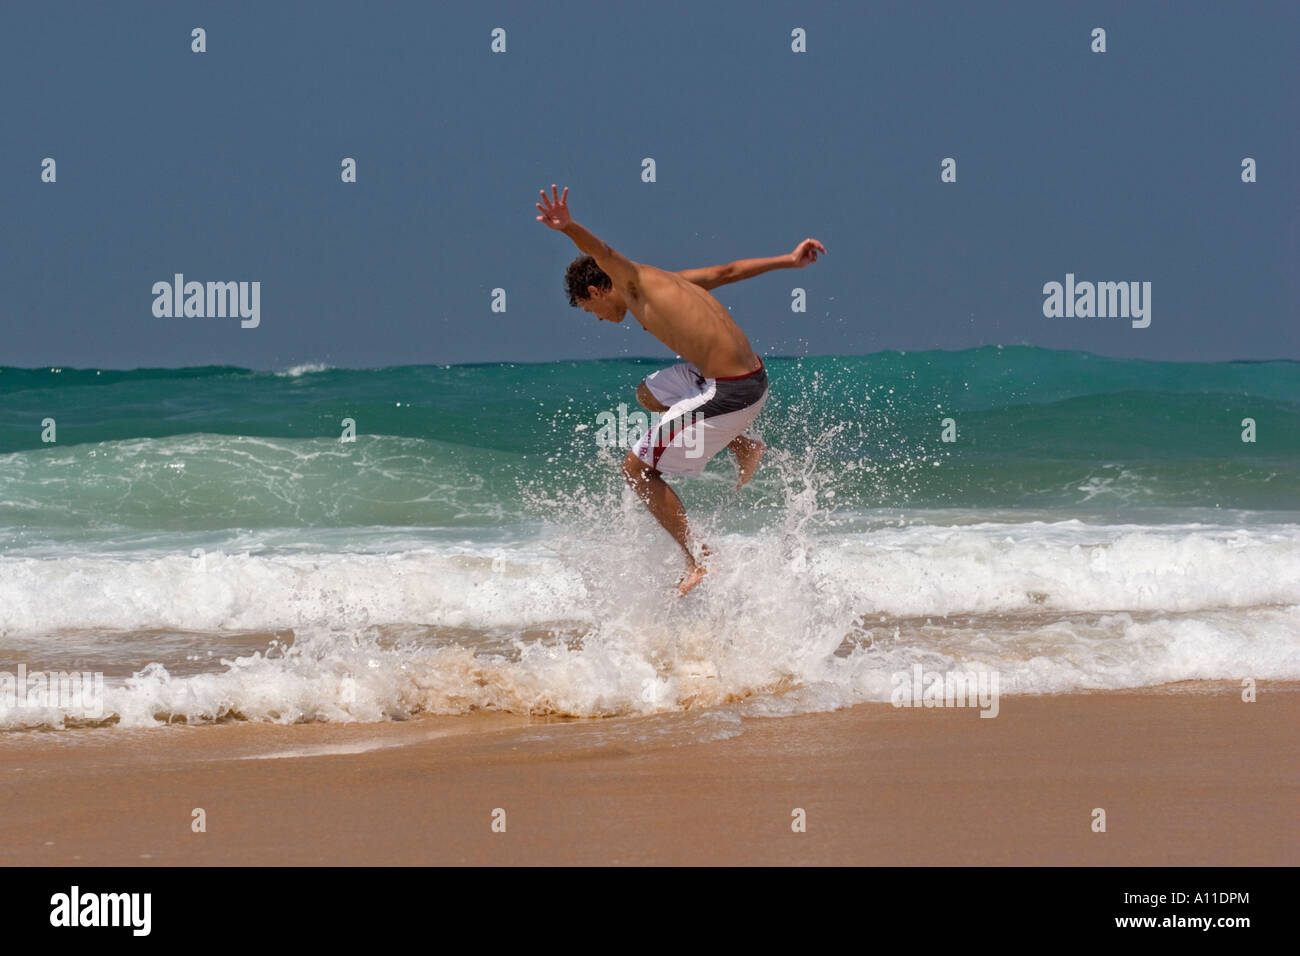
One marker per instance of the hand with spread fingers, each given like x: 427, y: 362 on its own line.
x: 555, y: 210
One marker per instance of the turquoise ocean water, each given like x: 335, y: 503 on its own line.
x: 203, y: 537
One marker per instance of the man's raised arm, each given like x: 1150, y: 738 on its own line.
x: 621, y: 270
x: 711, y: 277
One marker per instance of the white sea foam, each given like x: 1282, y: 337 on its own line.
x: 896, y: 572
x: 306, y: 368
x: 584, y: 625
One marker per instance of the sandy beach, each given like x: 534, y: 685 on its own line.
x: 1187, y: 775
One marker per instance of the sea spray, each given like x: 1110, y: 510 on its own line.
x: 204, y: 539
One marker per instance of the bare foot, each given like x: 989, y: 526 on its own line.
x: 748, y: 452
x: 695, y: 573
x: 691, y: 578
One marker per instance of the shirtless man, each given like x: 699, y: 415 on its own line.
x: 706, y: 402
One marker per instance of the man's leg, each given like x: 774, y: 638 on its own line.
x: 748, y: 452
x: 650, y: 487
x: 648, y: 400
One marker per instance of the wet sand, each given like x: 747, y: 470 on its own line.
x: 1187, y: 775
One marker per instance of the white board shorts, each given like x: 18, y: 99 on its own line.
x: 704, y: 415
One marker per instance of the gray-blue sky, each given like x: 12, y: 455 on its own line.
x: 225, y: 166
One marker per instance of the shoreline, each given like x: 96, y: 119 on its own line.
x: 1188, y: 774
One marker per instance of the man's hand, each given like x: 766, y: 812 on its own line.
x: 554, y: 211
x: 806, y: 252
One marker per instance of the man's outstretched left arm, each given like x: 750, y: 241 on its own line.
x: 711, y: 277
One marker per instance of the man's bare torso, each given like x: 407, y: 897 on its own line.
x: 689, y: 321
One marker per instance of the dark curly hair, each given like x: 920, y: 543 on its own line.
x: 583, y: 272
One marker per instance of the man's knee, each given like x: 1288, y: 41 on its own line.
x: 648, y: 400
x: 635, y: 471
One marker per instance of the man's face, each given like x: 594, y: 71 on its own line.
x: 604, y: 304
